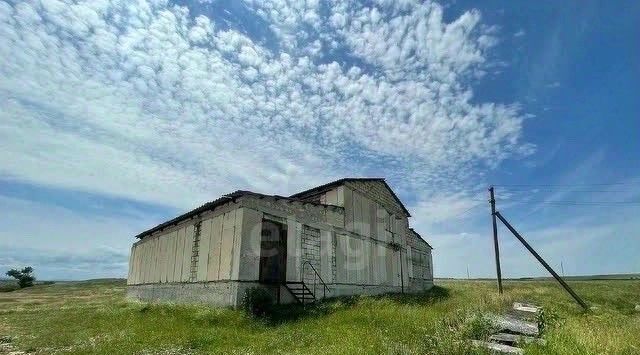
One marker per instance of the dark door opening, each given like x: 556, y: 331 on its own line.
x: 273, y: 252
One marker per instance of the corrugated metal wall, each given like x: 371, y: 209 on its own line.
x: 168, y: 257
x: 366, y: 262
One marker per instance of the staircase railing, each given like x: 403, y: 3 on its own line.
x: 316, y: 277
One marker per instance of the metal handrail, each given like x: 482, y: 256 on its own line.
x: 316, y: 276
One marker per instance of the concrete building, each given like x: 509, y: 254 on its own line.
x: 347, y: 237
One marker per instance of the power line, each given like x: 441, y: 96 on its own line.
x: 564, y: 190
x: 463, y: 212
x: 606, y: 203
x: 566, y: 185
x: 590, y: 203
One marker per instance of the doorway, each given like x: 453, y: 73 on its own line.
x: 273, y: 252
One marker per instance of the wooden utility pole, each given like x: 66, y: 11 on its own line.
x: 492, y: 201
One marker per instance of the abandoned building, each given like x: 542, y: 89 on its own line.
x: 347, y: 237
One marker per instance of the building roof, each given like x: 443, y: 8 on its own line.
x: 206, y: 207
x: 420, y: 237
x: 212, y: 205
x: 330, y: 185
x: 239, y: 193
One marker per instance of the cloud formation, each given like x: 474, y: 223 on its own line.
x: 145, y: 100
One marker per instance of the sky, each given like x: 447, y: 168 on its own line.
x: 117, y: 115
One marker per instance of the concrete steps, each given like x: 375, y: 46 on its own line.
x: 517, y: 328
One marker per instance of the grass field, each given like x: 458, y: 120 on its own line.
x: 94, y: 317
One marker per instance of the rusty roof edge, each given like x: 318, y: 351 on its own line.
x: 231, y: 197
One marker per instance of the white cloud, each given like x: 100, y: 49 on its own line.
x: 143, y: 100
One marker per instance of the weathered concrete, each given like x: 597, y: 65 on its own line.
x: 515, y: 325
x: 497, y: 348
x: 217, y: 293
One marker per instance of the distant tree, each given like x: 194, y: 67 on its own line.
x: 24, y: 276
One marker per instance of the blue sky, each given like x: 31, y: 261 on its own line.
x: 120, y: 114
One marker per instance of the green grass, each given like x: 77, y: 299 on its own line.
x: 94, y: 317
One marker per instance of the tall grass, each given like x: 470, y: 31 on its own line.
x: 82, y: 318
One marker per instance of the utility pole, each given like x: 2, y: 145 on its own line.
x: 468, y: 278
x: 492, y: 201
x: 562, y: 268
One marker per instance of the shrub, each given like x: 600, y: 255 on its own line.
x: 477, y: 327
x: 24, y: 276
x: 257, y: 301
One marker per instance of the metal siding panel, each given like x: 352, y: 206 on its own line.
x: 373, y: 258
x: 326, y: 256
x: 163, y: 258
x: 162, y: 263
x: 131, y: 256
x: 360, y: 261
x: 331, y: 197
x: 134, y: 266
x: 430, y: 265
x: 152, y: 261
x: 143, y: 263
x: 159, y: 263
x: 409, y: 262
x: 373, y: 220
x: 156, y: 260
x: 294, y: 250
x: 186, y: 256
x: 357, y: 213
x: 348, y: 209
x: 380, y: 218
x: 171, y: 256
x: 215, y: 248
x: 340, y: 195
x: 380, y: 265
x: 237, y: 244
x: 228, y: 226
x: 203, y: 250
x: 396, y: 268
x: 341, y: 258
x: 366, y: 216
x: 365, y: 263
x: 177, y: 270
x: 157, y: 274
x: 389, y: 267
x: 250, y: 247
x: 139, y: 264
x: 352, y: 270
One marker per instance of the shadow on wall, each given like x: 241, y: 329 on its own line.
x: 278, y: 314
